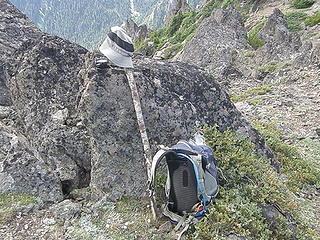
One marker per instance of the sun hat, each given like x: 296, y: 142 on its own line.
x: 118, y: 47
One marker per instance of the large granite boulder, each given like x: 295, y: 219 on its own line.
x: 23, y: 169
x: 215, y: 40
x: 176, y: 98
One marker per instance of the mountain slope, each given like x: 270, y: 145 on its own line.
x: 83, y: 22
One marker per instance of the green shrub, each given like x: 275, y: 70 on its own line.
x: 302, y: 3
x: 254, y: 41
x: 313, y: 20
x: 250, y: 184
x: 207, y: 9
x: 245, y: 17
x: 174, y: 24
x: 294, y: 19
x: 227, y: 3
x: 140, y: 44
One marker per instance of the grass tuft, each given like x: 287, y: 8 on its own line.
x: 254, y: 41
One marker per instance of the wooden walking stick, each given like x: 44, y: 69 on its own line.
x: 143, y: 133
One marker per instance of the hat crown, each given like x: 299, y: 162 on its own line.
x: 118, y: 47
x: 122, y: 34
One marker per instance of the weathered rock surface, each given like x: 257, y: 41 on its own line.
x: 44, y: 91
x: 176, y: 98
x: 5, y: 99
x: 22, y: 168
x: 15, y: 28
x: 136, y: 32
x: 215, y: 41
x: 279, y: 43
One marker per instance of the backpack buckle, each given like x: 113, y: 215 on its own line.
x: 199, y: 208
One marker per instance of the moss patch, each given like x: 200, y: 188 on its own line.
x: 299, y: 171
x: 129, y: 218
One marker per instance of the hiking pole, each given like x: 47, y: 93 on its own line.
x: 143, y: 133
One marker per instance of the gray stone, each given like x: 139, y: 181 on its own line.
x: 176, y: 98
x: 235, y: 237
x: 15, y: 28
x: 44, y: 91
x: 215, y: 40
x: 279, y: 43
x: 136, y: 32
x: 49, y: 221
x: 22, y: 170
x: 66, y: 210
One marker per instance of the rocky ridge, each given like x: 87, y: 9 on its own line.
x: 70, y: 122
x: 73, y: 122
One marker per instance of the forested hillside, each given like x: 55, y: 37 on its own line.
x: 87, y: 22
x: 83, y: 22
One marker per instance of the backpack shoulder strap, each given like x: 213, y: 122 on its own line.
x: 155, y: 163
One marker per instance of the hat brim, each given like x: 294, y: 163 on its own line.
x: 115, y: 57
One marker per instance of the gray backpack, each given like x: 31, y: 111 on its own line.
x: 192, y: 182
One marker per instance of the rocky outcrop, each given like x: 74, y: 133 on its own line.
x: 308, y: 55
x: 279, y: 43
x: 43, y: 86
x: 23, y: 169
x: 176, y: 98
x: 215, y: 40
x: 74, y: 125
x: 15, y: 28
x: 179, y: 6
x: 136, y: 32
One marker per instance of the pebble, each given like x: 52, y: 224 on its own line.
x: 49, y: 221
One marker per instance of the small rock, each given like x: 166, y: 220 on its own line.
x: 66, y: 210
x: 49, y: 221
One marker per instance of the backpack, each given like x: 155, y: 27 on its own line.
x: 192, y: 182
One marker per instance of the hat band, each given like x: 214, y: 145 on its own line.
x: 112, y: 45
x: 122, y: 44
